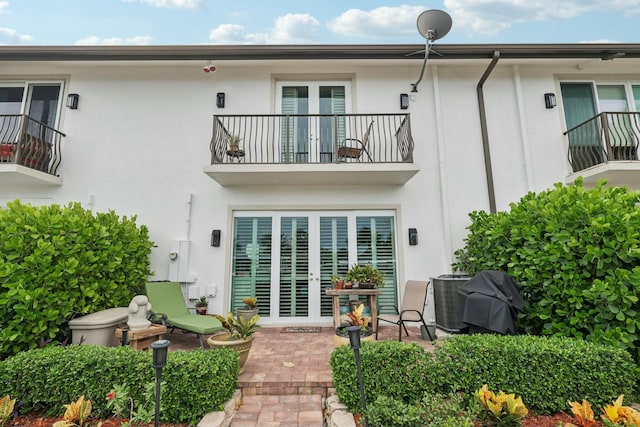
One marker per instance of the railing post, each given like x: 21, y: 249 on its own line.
x: 604, y: 122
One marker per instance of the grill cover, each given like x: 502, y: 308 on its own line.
x: 490, y: 301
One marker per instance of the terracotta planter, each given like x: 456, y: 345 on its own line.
x: 202, y: 309
x: 242, y: 346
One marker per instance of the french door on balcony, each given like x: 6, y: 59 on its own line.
x: 308, y: 139
x: 37, y: 100
x: 582, y: 101
x: 288, y: 274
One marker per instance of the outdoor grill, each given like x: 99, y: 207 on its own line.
x: 490, y: 302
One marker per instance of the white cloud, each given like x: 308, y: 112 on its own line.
x: 177, y: 4
x: 379, y: 22
x: 95, y: 41
x: 287, y: 29
x: 8, y: 33
x: 494, y: 16
x: 3, y: 5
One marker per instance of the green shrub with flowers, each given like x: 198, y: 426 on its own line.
x: 43, y: 380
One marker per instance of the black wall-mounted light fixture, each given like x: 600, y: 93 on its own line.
x: 549, y: 100
x: 404, y: 101
x: 220, y: 99
x: 413, y: 236
x: 215, y: 238
x: 72, y: 101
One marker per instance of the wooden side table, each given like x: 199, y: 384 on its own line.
x: 142, y: 339
x: 372, y: 300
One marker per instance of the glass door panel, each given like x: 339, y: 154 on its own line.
x: 376, y: 246
x: 585, y: 147
x: 613, y: 99
x: 294, y: 267
x: 334, y: 255
x: 251, y: 263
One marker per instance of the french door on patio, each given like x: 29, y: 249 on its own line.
x: 308, y: 139
x: 288, y: 273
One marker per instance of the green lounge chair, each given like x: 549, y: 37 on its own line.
x: 168, y: 306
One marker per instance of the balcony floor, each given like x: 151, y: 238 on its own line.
x: 229, y: 174
x: 617, y: 173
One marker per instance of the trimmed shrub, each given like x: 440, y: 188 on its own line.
x: 576, y: 256
x: 433, y: 410
x: 57, y: 263
x: 387, y: 367
x: 546, y: 371
x: 42, y: 380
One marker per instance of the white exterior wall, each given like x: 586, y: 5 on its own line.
x: 139, y: 141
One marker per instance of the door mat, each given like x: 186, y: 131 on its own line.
x: 301, y: 330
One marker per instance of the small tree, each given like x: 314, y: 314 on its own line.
x: 57, y: 263
x: 575, y: 253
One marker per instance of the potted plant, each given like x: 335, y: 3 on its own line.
x: 201, y: 305
x: 250, y: 308
x: 366, y: 276
x: 238, y: 335
x: 234, y: 143
x: 337, y: 281
x: 355, y: 318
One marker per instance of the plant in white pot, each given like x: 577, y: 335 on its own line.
x: 250, y: 308
x: 238, y: 335
x: 355, y: 318
x: 365, y: 276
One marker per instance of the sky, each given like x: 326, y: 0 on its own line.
x: 192, y: 22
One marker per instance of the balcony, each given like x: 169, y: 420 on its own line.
x: 606, y: 147
x: 29, y: 151
x: 301, y: 149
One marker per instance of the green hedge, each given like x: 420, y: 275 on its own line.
x: 387, y: 367
x: 42, y: 380
x: 57, y: 263
x: 575, y: 253
x: 546, y: 371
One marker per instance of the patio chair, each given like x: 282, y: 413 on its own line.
x: 168, y: 307
x: 415, y: 295
x: 345, y: 152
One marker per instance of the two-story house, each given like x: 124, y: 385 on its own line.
x: 264, y: 170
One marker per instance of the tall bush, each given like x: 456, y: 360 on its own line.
x: 57, y: 263
x: 575, y: 253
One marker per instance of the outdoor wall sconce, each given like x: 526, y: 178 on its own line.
x: 549, y: 100
x: 220, y: 99
x: 72, y: 101
x: 413, y: 236
x: 215, y: 238
x: 404, y: 101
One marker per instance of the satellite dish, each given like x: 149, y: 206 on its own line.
x: 432, y: 24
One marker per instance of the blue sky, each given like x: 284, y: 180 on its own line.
x: 158, y: 22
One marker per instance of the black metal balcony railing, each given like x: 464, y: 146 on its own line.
x: 312, y: 138
x: 28, y: 142
x: 603, y: 138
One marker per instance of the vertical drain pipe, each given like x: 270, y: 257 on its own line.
x: 485, y: 134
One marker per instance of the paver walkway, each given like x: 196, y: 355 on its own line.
x: 287, y: 375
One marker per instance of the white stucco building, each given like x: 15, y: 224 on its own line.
x: 151, y: 131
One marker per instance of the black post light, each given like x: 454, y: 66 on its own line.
x: 160, y: 349
x: 354, y: 341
